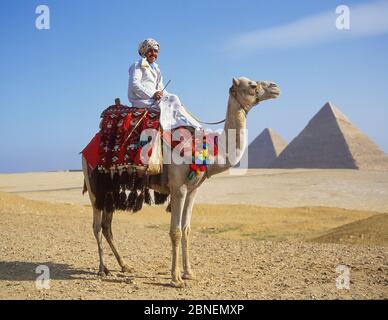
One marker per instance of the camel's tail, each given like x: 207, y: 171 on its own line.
x: 85, y: 188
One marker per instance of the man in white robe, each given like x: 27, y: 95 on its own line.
x: 145, y: 89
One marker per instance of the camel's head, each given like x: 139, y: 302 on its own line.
x: 249, y: 93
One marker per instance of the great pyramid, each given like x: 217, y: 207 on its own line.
x: 264, y: 149
x: 330, y: 141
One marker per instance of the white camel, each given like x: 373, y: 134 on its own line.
x: 243, y: 95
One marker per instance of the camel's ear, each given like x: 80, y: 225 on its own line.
x: 236, y: 82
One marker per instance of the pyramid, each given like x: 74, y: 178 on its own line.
x: 330, y: 141
x: 265, y: 148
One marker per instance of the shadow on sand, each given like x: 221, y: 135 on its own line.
x: 26, y: 271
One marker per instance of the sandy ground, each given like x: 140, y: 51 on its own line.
x: 240, y: 251
x: 351, y: 189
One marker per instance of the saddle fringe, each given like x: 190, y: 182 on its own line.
x: 122, y: 191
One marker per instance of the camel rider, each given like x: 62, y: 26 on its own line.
x: 145, y: 89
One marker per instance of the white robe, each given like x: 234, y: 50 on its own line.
x: 144, y: 81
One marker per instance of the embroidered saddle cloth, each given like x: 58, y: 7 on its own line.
x: 118, y: 145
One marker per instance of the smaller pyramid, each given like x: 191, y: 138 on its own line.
x: 265, y: 148
x: 330, y: 140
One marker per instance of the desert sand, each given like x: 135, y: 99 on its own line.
x: 270, y: 234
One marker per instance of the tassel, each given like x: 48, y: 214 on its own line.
x: 108, y: 185
x: 116, y: 181
x: 139, y: 202
x: 131, y: 200
x: 131, y: 182
x: 147, y: 197
x: 124, y: 179
x: 122, y: 200
x: 100, y: 202
x: 116, y: 199
x: 109, y: 202
x: 168, y: 209
x: 160, y: 198
x: 98, y: 178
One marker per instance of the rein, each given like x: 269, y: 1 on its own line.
x: 217, y: 122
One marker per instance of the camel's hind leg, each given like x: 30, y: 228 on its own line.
x: 97, y: 218
x: 97, y: 223
x: 107, y: 231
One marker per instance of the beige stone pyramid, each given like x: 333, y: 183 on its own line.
x: 330, y: 141
x: 265, y: 148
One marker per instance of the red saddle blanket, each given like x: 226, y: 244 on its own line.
x: 117, y: 144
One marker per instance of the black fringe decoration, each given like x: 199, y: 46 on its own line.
x: 108, y: 183
x: 122, y: 200
x: 116, y: 199
x: 160, y: 198
x: 124, y: 179
x: 147, y: 197
x: 98, y: 181
x: 111, y: 191
x: 139, y: 202
x: 116, y: 181
x: 131, y: 181
x: 131, y: 200
x: 168, y: 209
x: 109, y: 206
x: 100, y: 202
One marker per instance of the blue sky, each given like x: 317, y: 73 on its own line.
x: 56, y: 82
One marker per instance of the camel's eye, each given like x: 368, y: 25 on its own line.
x: 252, y: 85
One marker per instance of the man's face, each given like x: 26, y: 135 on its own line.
x: 152, y: 55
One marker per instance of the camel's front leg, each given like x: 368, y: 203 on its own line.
x: 186, y: 220
x: 177, y: 204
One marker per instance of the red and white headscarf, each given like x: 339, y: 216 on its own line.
x: 146, y: 45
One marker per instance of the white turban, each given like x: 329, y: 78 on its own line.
x: 146, y: 45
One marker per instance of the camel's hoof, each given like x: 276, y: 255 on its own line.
x: 101, y: 274
x: 177, y: 284
x: 104, y: 273
x: 127, y: 268
x: 188, y: 276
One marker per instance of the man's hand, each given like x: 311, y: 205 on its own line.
x: 158, y: 95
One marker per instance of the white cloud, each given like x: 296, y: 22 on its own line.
x: 365, y: 20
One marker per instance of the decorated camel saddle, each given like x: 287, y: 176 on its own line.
x: 127, y: 151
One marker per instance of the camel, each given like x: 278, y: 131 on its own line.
x: 243, y: 96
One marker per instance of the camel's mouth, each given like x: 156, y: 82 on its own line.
x: 273, y: 90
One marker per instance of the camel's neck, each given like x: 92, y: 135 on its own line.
x: 235, y: 138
